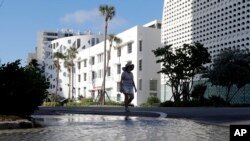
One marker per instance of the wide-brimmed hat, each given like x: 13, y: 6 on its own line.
x: 129, y: 64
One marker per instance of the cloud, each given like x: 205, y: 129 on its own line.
x: 92, y: 20
x: 117, y: 22
x: 81, y: 16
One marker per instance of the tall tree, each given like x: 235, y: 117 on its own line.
x: 108, y: 12
x: 230, y: 68
x: 180, y: 65
x: 112, y: 39
x: 69, y: 64
x: 57, y: 56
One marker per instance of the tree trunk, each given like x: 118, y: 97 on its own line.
x: 72, y: 83
x: 69, y: 71
x: 176, y: 94
x: 102, y: 96
x: 185, y: 91
x: 109, y: 56
x: 57, y: 79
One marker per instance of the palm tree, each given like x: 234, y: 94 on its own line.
x: 57, y: 56
x: 112, y: 38
x: 69, y: 64
x: 108, y: 12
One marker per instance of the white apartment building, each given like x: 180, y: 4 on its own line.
x: 81, y: 42
x: 136, y: 47
x: 218, y: 24
x: 45, y: 37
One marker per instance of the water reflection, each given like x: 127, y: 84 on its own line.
x: 128, y: 128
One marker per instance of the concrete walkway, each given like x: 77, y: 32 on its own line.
x: 210, y: 115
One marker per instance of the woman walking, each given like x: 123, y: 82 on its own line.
x: 127, y: 85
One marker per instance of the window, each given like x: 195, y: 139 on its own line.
x: 100, y: 58
x: 92, y: 60
x: 118, y: 68
x: 118, y: 52
x: 78, y: 42
x: 79, y: 65
x: 140, y: 84
x: 99, y: 73
x: 79, y: 78
x: 84, y: 91
x: 140, y: 45
x: 153, y: 85
x: 118, y: 97
x: 108, y: 71
x: 118, y: 86
x: 93, y: 41
x: 85, y: 76
x: 130, y: 48
x: 97, y: 40
x: 85, y: 63
x: 93, y: 75
x: 140, y: 65
x: 79, y: 91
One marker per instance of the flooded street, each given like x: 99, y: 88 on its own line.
x: 101, y: 128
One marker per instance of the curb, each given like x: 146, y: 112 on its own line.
x: 18, y: 124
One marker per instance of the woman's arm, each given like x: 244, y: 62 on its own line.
x: 134, y: 86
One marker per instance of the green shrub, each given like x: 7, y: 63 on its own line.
x: 79, y: 104
x: 22, y: 89
x: 52, y: 97
x: 167, y: 104
x: 51, y: 104
x: 112, y: 103
x: 153, y: 100
x: 212, y: 101
x: 217, y: 101
x: 87, y: 100
x: 145, y: 105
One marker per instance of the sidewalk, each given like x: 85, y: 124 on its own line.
x: 209, y: 115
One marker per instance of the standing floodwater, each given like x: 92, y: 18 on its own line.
x: 116, y: 128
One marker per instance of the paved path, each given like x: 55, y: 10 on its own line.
x: 210, y: 115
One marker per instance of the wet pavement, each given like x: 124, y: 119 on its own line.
x: 79, y: 127
x: 141, y: 124
x: 210, y: 115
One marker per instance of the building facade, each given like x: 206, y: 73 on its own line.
x: 81, y: 42
x: 45, y: 37
x: 218, y: 24
x: 136, y: 47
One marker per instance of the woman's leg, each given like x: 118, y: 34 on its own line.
x: 126, y: 100
x: 126, y: 103
x: 131, y: 97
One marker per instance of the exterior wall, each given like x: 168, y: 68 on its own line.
x: 142, y: 41
x: 62, y: 45
x: 218, y: 24
x: 150, y: 39
x: 45, y: 37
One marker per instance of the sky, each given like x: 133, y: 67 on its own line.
x: 21, y: 20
